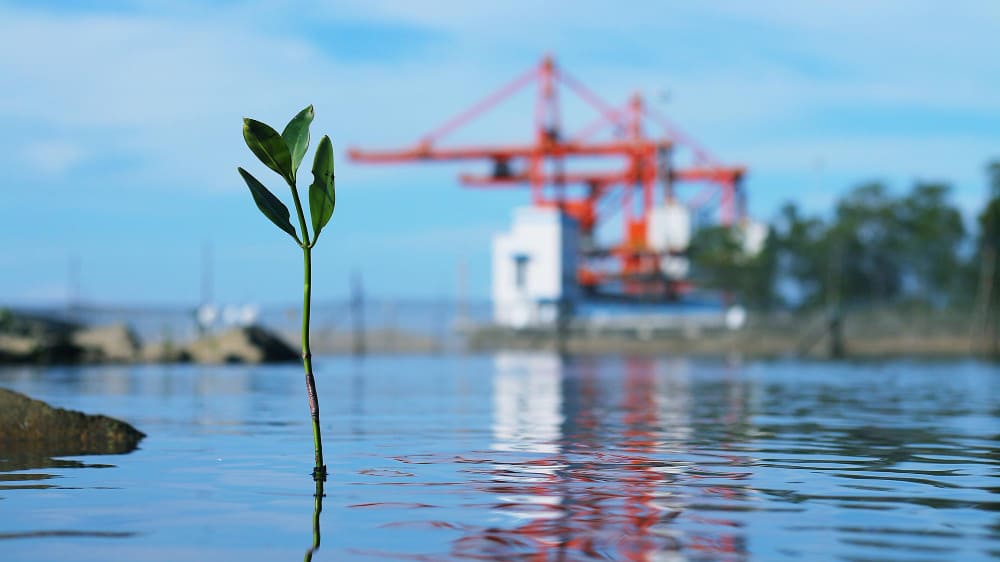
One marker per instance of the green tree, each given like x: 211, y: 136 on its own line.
x: 933, y: 232
x: 715, y: 258
x: 867, y: 233
x: 989, y: 219
x: 986, y: 320
x: 801, y: 258
x: 876, y: 247
x: 719, y: 262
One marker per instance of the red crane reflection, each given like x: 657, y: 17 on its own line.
x: 610, y: 490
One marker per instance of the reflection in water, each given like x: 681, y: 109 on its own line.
x: 357, y: 397
x: 523, y: 457
x: 209, y: 390
x: 605, y: 486
x: 33, y: 434
x: 527, y: 402
x: 19, y: 459
x: 317, y: 509
x: 65, y: 534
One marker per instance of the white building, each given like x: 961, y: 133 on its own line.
x: 669, y: 233
x: 534, y: 268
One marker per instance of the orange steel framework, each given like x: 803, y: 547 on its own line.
x: 542, y: 165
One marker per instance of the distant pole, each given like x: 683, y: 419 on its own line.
x: 73, y: 290
x: 835, y: 312
x: 73, y: 282
x: 984, y: 334
x: 388, y: 339
x: 562, y: 325
x: 985, y: 313
x: 836, y: 325
x: 835, y: 269
x: 462, y: 293
x: 437, y: 322
x: 204, y: 311
x: 357, y: 314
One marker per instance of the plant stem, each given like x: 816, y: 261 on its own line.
x: 319, y: 472
x: 317, y: 509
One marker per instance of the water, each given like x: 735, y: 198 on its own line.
x: 522, y: 457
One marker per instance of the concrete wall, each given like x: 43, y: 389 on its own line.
x: 534, y: 267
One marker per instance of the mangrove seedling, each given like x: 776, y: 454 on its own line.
x: 283, y: 153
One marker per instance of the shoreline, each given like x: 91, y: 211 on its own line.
x: 747, y: 343
x: 859, y: 335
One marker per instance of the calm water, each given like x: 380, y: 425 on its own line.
x: 522, y: 457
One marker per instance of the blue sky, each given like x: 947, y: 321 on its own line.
x: 122, y: 123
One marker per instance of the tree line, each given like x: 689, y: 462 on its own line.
x: 876, y: 247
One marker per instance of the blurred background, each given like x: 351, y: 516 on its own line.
x: 870, y: 133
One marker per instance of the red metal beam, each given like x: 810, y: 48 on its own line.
x: 701, y: 155
x: 481, y: 107
x: 602, y: 107
x: 600, y: 123
x: 541, y: 164
x: 712, y: 174
x: 499, y: 152
x: 473, y: 180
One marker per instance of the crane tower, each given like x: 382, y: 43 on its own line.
x: 635, y: 186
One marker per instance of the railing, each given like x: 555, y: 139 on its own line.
x: 382, y: 324
x: 435, y: 326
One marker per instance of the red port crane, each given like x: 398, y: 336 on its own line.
x: 630, y: 267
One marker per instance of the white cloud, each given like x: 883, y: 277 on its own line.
x: 164, y: 90
x: 151, y: 97
x: 53, y: 157
x: 168, y: 95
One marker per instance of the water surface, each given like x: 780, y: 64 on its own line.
x: 520, y: 457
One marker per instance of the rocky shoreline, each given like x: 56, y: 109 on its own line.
x: 37, y: 340
x: 747, y: 344
x: 34, y: 340
x: 32, y: 427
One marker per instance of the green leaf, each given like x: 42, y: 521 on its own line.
x: 322, y: 197
x: 269, y: 147
x: 268, y: 204
x: 296, y: 135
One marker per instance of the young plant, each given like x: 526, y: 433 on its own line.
x: 283, y: 153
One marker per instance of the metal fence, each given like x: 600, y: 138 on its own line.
x: 381, y: 324
x: 433, y: 326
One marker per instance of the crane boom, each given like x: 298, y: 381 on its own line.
x: 541, y: 165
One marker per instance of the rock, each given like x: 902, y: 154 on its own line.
x: 251, y: 344
x: 35, y: 339
x: 164, y: 352
x: 107, y: 344
x: 38, y: 349
x: 32, y: 427
x: 17, y: 346
x: 30, y: 338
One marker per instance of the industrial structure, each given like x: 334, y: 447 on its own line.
x: 604, y: 175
